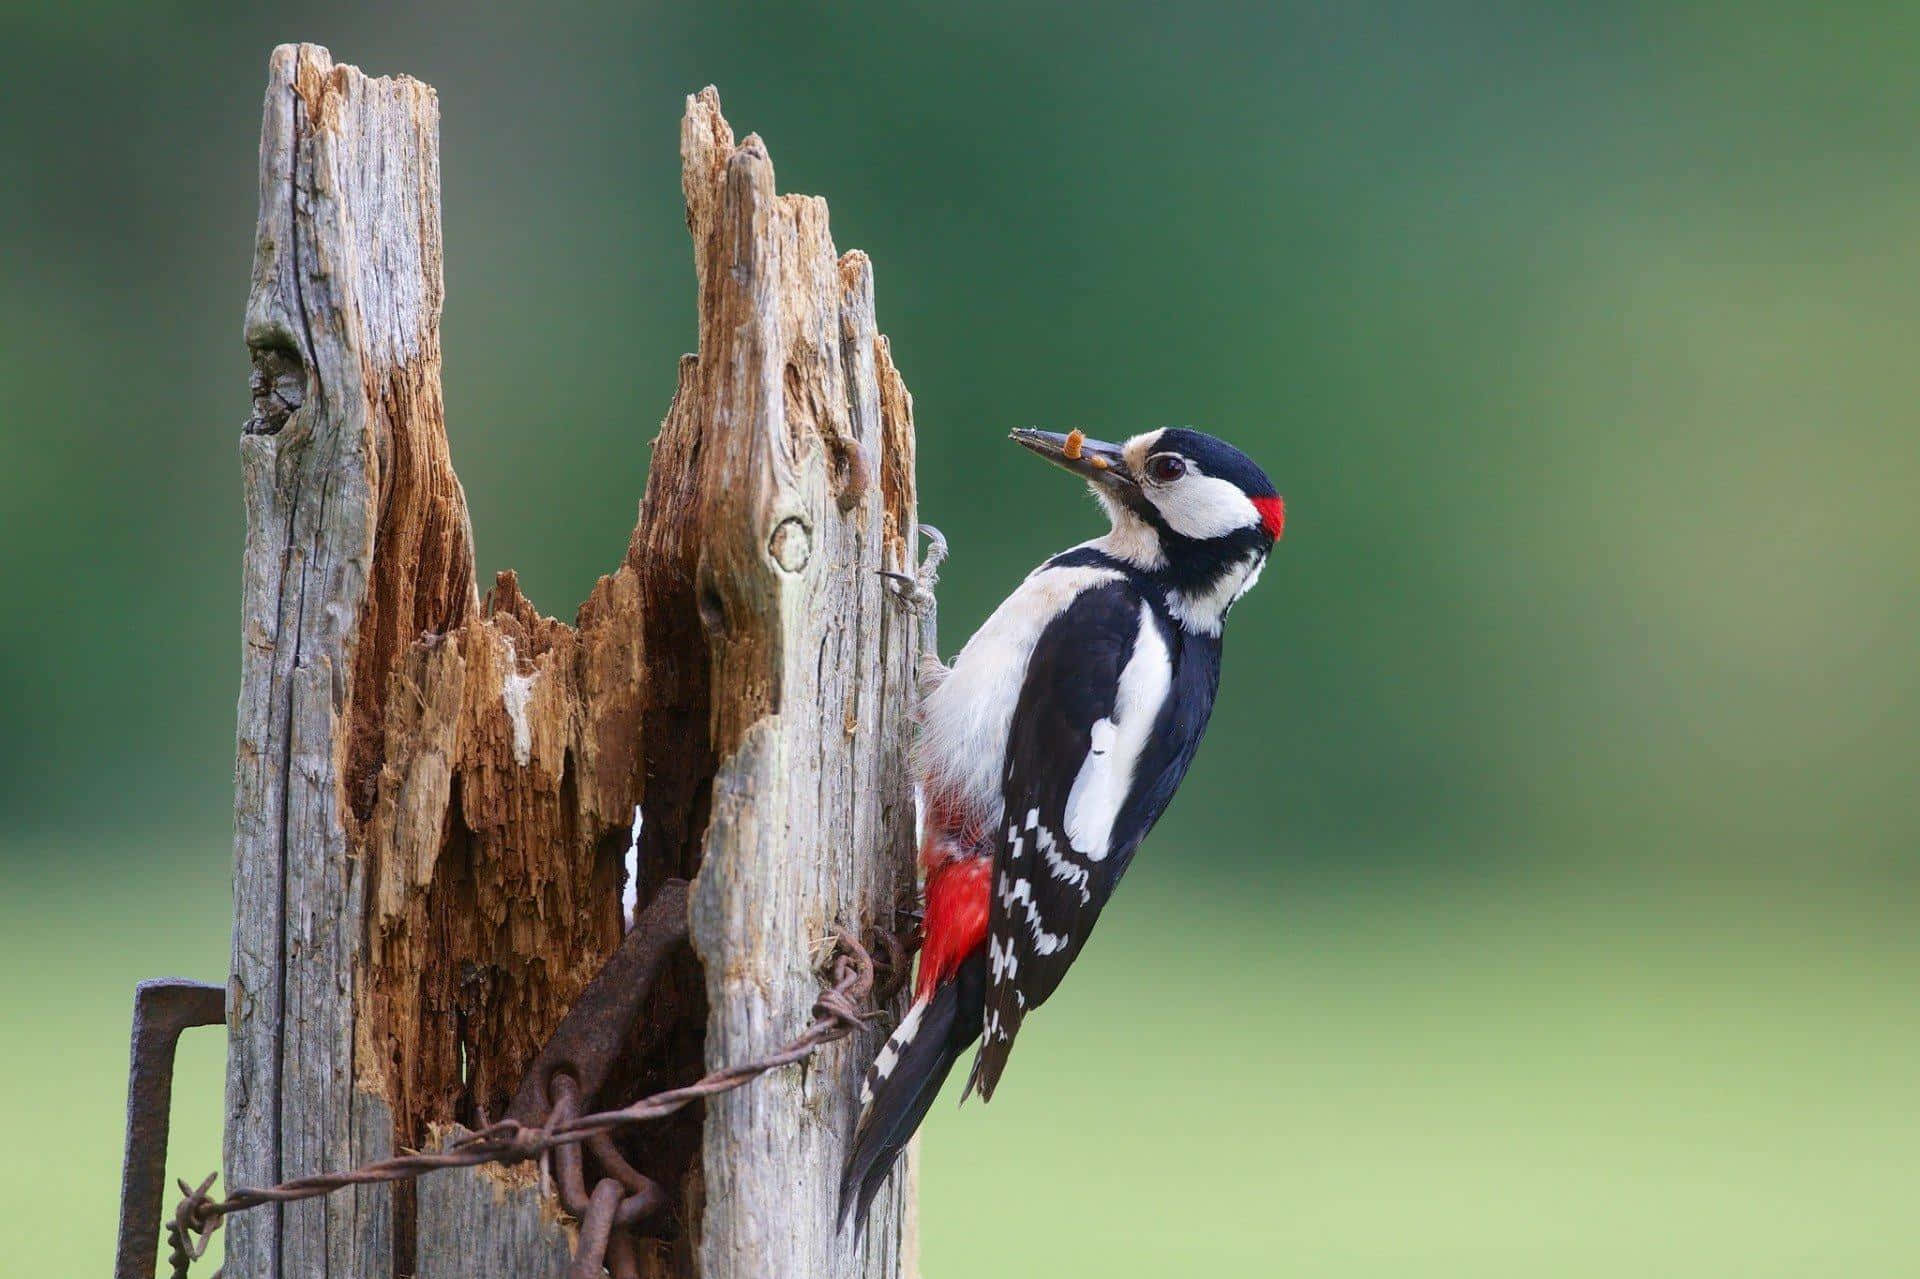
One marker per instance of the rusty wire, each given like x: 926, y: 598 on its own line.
x: 845, y: 1005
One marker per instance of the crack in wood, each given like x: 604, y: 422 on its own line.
x: 435, y: 794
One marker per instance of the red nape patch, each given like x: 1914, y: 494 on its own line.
x: 1273, y: 513
x: 956, y: 922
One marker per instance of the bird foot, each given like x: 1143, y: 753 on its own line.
x: 915, y: 593
x: 930, y: 674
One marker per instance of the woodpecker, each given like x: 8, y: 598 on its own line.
x: 1051, y: 746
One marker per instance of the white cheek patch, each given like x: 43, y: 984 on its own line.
x: 1202, y: 506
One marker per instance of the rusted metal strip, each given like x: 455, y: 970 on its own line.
x: 161, y: 1010
x: 590, y: 1036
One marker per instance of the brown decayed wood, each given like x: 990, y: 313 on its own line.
x: 434, y: 795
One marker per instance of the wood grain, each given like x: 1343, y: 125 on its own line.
x: 346, y: 476
x: 434, y: 795
x: 811, y: 812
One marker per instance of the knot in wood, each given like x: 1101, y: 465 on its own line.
x: 279, y: 386
x: 791, y: 545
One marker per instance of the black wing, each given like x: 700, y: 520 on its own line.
x: 1047, y: 893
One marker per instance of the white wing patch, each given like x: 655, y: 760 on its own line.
x: 1106, y: 775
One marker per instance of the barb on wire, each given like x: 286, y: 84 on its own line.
x: 848, y: 1003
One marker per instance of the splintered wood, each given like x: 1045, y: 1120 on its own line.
x: 779, y: 537
x: 435, y: 795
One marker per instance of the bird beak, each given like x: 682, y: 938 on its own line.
x: 1093, y: 460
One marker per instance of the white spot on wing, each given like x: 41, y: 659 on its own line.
x: 1019, y: 892
x: 1006, y: 964
x: 1062, y: 869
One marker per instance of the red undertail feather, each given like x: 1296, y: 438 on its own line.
x: 956, y: 918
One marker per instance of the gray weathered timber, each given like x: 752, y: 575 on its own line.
x: 343, y: 324
x: 808, y: 451
x: 477, y: 1223
x: 432, y: 793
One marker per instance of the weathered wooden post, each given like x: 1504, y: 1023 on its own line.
x: 434, y: 794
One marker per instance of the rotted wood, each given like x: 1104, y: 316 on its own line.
x: 798, y: 492
x: 435, y: 794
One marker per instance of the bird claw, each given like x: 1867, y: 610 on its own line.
x: 915, y: 593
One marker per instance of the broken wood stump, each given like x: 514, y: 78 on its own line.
x: 436, y: 794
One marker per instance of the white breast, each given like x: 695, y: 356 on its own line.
x: 962, y: 746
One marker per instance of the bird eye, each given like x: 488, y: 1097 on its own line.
x: 1165, y: 468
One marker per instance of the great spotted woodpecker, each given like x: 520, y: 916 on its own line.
x: 1051, y: 746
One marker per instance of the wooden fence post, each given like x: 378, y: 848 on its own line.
x: 435, y: 794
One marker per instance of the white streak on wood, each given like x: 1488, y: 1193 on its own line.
x: 630, y: 886
x: 516, y: 694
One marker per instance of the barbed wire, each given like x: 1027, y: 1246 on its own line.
x: 847, y: 1004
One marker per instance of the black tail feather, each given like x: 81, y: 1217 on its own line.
x: 949, y: 1022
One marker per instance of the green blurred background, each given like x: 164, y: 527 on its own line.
x: 1542, y: 902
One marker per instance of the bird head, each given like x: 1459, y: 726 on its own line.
x: 1186, y: 507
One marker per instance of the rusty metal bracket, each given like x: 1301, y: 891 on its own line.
x: 590, y: 1036
x: 161, y: 1010
x: 563, y: 1080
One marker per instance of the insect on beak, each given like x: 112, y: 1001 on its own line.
x: 1094, y: 460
